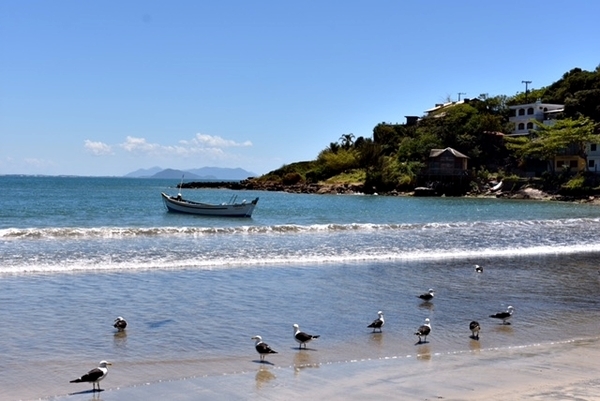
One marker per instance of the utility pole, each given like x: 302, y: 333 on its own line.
x: 526, y: 90
x: 460, y: 93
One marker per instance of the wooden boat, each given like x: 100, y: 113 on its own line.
x: 497, y: 187
x: 179, y: 205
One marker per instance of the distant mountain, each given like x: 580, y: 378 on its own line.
x: 204, y: 173
x: 144, y: 172
x: 171, y: 174
x: 222, y: 173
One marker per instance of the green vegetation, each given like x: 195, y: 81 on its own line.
x: 396, y: 155
x: 349, y: 177
x: 547, y: 141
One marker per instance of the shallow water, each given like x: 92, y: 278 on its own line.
x: 194, y: 290
x: 187, y: 323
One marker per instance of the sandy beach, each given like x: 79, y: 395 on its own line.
x: 194, y: 292
x: 557, y: 371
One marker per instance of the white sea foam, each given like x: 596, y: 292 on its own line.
x: 262, y: 258
x: 124, y: 232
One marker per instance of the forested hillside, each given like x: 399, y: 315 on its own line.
x: 396, y: 153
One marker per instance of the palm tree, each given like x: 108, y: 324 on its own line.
x: 347, y: 140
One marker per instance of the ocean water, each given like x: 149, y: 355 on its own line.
x: 77, y: 252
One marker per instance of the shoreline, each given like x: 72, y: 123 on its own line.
x: 555, y: 371
x: 524, y: 193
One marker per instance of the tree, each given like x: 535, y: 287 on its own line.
x: 385, y: 135
x: 530, y: 97
x: 333, y: 147
x: 547, y: 141
x: 369, y: 154
x: 584, y: 103
x: 359, y: 142
x: 417, y: 149
x: 347, y: 140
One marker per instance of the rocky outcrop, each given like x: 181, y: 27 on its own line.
x: 300, y: 188
x: 515, y: 192
x: 526, y: 193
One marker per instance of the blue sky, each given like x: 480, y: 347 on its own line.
x: 106, y: 88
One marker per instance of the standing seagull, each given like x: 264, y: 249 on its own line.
x: 120, y: 323
x: 377, y: 323
x: 504, y: 315
x: 478, y: 269
x: 262, y: 348
x: 302, y: 338
x: 474, y: 327
x: 428, y: 296
x: 94, y: 376
x: 423, y: 331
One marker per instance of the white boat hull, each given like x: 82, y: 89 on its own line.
x: 180, y: 205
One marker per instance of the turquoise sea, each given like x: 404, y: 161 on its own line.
x: 76, y: 252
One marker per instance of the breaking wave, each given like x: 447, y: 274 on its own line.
x: 125, y: 232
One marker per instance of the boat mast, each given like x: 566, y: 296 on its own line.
x: 180, y: 186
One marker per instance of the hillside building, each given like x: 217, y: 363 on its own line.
x: 523, y: 114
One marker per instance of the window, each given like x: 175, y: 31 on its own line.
x: 591, y: 163
x: 521, y: 112
x: 521, y: 127
x: 593, y: 147
x: 530, y: 111
x: 529, y: 125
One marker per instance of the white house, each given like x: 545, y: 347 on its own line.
x: 593, y: 157
x: 440, y: 109
x: 522, y: 114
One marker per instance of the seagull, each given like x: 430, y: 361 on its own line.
x: 504, y: 315
x: 423, y: 331
x: 94, y: 376
x: 120, y: 323
x: 478, y: 269
x: 474, y: 327
x: 377, y: 323
x: 302, y: 338
x: 428, y: 296
x: 262, y: 348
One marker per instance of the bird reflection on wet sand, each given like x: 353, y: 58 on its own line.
x: 304, y: 360
x: 505, y: 329
x: 376, y: 339
x: 474, y: 345
x: 263, y: 377
x: 424, y: 353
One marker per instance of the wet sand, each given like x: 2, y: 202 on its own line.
x: 558, y: 371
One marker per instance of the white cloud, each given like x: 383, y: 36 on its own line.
x: 207, y: 149
x: 201, y: 144
x: 133, y: 144
x: 216, y: 141
x: 97, y: 148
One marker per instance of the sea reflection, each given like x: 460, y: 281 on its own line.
x: 474, y: 345
x: 303, y: 360
x: 263, y: 377
x: 504, y: 329
x: 376, y: 339
x: 120, y: 339
x: 424, y: 353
